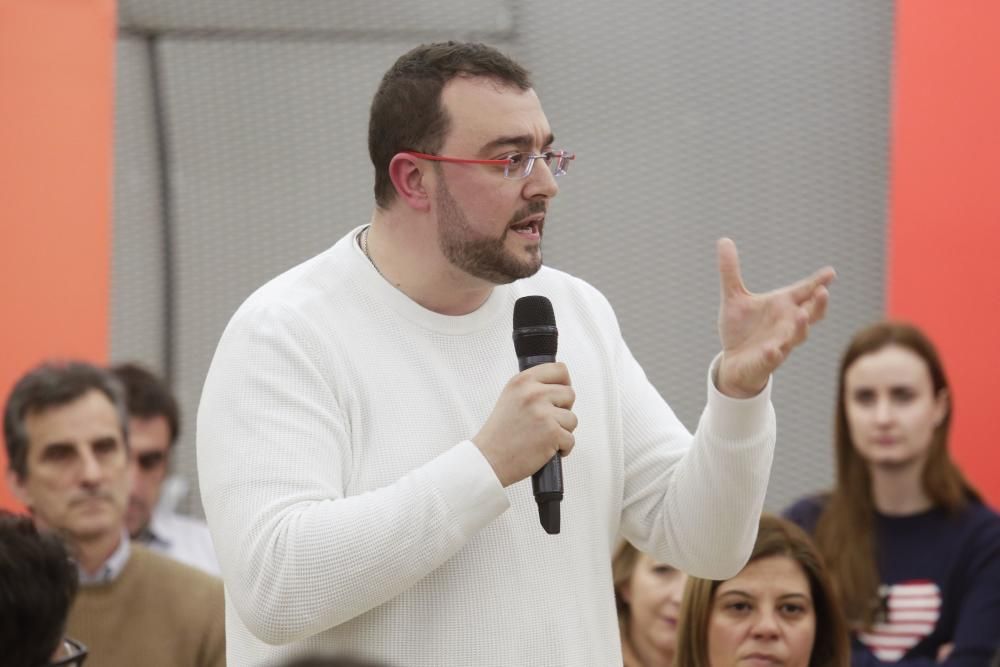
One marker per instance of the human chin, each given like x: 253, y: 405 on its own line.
x: 90, y: 524
x: 501, y: 266
x: 889, y: 458
x: 499, y: 260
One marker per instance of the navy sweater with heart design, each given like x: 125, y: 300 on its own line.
x: 940, y: 576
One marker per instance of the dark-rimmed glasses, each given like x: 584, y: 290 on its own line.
x: 76, y: 654
x: 515, y: 166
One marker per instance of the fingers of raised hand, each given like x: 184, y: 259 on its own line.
x: 806, y: 289
x: 816, y: 306
x: 730, y: 278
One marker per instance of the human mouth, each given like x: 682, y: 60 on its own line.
x: 761, y: 660
x: 90, y: 500
x: 529, y: 228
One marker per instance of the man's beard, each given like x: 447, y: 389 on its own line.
x: 482, y: 256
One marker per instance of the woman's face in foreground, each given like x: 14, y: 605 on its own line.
x: 763, y: 617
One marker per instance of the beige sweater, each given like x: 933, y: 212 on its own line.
x: 157, y: 613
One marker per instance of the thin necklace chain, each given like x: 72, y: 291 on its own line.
x: 364, y: 249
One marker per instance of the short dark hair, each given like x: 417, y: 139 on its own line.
x: 406, y: 112
x: 148, y: 396
x: 38, y: 583
x: 49, y: 385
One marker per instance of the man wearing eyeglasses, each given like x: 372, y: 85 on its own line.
x: 364, y: 436
x: 154, y: 423
x: 66, y: 431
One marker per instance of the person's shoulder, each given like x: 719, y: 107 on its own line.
x: 566, y: 290
x: 188, y: 601
x: 166, y: 572
x: 806, y: 511
x: 982, y: 521
x: 302, y: 288
x: 174, y: 524
x: 559, y: 279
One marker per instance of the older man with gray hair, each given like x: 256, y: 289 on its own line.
x: 66, y: 431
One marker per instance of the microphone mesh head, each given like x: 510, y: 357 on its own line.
x: 534, y: 327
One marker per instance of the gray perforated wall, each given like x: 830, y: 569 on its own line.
x: 241, y: 150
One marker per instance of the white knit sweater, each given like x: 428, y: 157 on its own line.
x: 351, y: 514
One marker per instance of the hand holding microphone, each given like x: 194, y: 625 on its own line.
x: 532, y: 424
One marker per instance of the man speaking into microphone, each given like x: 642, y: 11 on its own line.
x: 366, y: 438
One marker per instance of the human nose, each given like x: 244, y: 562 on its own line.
x: 765, y: 625
x: 883, y: 411
x: 134, y: 475
x: 540, y: 183
x: 676, y: 592
x: 91, y: 468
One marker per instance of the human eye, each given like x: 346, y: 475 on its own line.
x: 864, y: 396
x: 105, y: 446
x: 734, y: 603
x: 59, y: 453
x: 515, y: 159
x: 793, y: 609
x: 902, y: 394
x: 662, y: 569
x: 150, y: 461
x: 738, y: 607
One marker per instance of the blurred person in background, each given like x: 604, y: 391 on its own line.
x: 66, y: 431
x: 37, y: 584
x: 914, y: 553
x: 779, y: 611
x: 154, y: 424
x: 648, y: 597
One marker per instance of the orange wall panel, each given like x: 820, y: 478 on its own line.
x: 945, y: 209
x: 56, y: 97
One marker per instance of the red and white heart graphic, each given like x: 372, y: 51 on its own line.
x: 913, y: 608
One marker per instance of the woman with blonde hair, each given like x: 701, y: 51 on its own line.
x: 648, y: 597
x: 778, y: 611
x: 914, y: 553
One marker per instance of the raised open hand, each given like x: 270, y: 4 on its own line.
x: 758, y: 331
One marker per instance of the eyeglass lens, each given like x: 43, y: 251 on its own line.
x: 75, y: 654
x: 556, y: 161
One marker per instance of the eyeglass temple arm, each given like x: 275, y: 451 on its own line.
x: 460, y: 160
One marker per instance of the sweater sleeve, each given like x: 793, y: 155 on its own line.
x: 694, y: 501
x: 297, y: 554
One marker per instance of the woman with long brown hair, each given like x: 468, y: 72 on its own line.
x: 778, y: 611
x: 914, y: 553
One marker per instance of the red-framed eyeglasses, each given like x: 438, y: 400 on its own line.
x: 516, y: 165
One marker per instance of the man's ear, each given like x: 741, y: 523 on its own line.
x: 16, y: 485
x: 407, y: 175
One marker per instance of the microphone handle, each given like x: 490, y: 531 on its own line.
x: 547, y: 482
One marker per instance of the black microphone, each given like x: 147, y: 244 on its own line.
x: 535, y: 342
